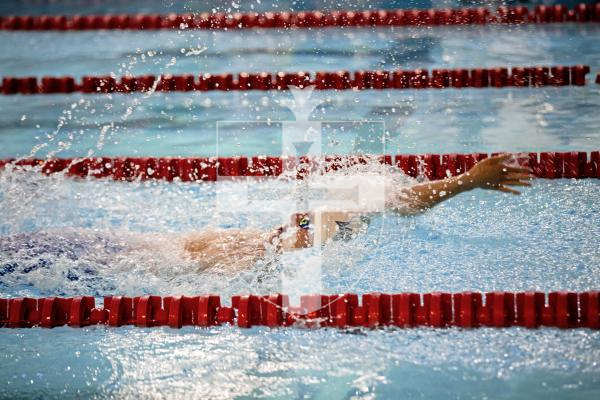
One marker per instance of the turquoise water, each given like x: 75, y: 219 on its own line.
x: 95, y: 237
x: 185, y: 124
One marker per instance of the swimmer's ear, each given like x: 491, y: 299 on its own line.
x: 344, y: 228
x: 342, y: 224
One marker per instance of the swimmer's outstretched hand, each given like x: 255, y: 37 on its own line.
x: 494, y: 174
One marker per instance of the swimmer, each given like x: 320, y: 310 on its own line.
x: 244, y: 247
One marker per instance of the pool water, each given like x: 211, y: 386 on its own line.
x: 97, y: 237
x: 169, y: 124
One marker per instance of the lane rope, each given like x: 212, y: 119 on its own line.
x: 541, y: 14
x: 549, y: 165
x: 499, y: 77
x: 564, y: 310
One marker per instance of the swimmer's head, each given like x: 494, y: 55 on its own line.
x: 323, y: 226
x: 298, y: 233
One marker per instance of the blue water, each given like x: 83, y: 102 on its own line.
x: 185, y: 124
x: 69, y: 7
x: 95, y: 237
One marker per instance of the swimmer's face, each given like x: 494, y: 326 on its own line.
x: 305, y: 228
x: 299, y: 233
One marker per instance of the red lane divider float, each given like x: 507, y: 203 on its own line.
x: 499, y: 77
x: 308, y: 19
x: 548, y: 165
x: 466, y: 310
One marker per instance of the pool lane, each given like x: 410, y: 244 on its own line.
x: 185, y: 124
x: 156, y: 52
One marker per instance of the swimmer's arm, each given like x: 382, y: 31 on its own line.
x: 491, y: 173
